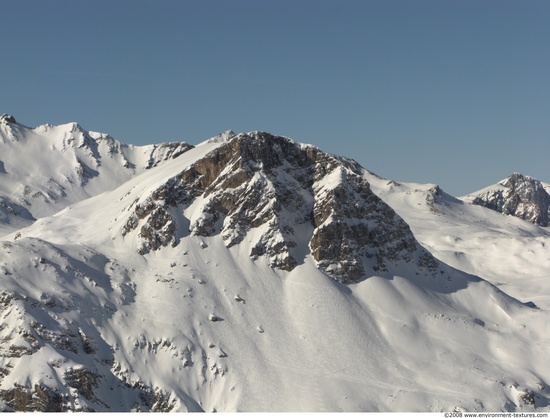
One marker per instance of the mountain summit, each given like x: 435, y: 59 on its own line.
x: 254, y: 273
x: 285, y: 200
x: 517, y: 195
x: 5, y: 118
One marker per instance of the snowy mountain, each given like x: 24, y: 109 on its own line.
x: 279, y: 197
x: 43, y: 170
x: 511, y: 253
x: 518, y: 195
x: 255, y: 273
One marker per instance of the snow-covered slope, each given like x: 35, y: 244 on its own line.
x: 42, y: 170
x: 510, y: 252
x: 254, y: 273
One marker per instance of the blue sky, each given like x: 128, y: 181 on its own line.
x: 454, y: 92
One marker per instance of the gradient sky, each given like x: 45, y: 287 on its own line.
x: 453, y: 92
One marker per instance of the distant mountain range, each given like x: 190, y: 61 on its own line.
x: 254, y: 273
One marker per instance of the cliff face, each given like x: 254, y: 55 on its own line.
x: 283, y: 195
x: 518, y: 195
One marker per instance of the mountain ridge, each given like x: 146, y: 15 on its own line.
x: 68, y: 164
x: 255, y: 273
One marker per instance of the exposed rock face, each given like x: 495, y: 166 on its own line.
x: 290, y: 194
x: 36, y: 399
x: 82, y: 373
x: 7, y: 118
x: 165, y: 151
x: 521, y: 196
x: 353, y: 226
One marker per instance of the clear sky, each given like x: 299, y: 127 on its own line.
x: 454, y: 92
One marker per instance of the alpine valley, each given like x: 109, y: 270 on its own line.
x: 251, y: 272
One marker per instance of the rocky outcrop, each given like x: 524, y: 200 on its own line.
x: 518, y: 195
x: 5, y: 118
x: 276, y: 187
x: 39, y: 398
x: 166, y: 151
x: 355, y: 229
x: 9, y: 129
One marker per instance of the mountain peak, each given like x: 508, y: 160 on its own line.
x: 7, y: 118
x: 516, y: 179
x: 223, y: 137
x: 288, y: 200
x: 518, y: 195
